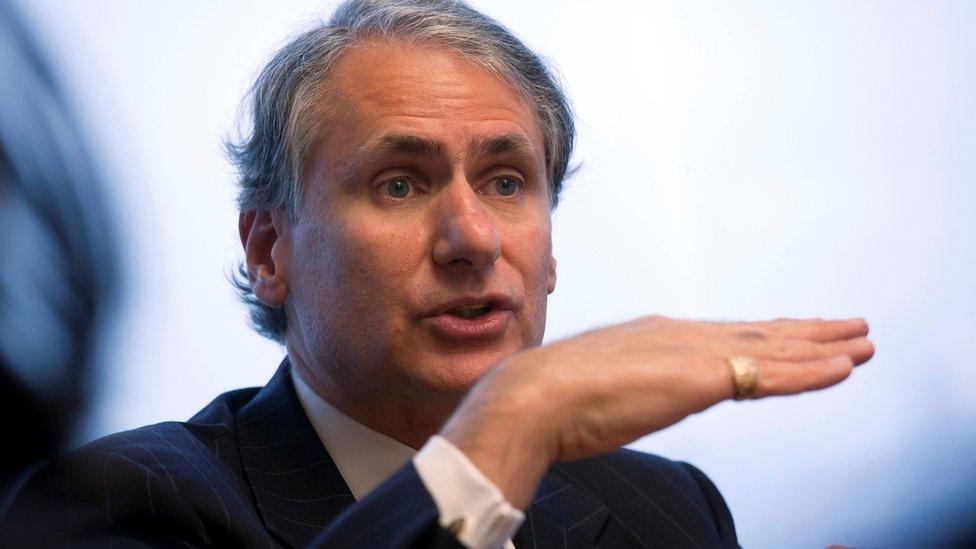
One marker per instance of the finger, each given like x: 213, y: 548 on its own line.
x: 862, y: 352
x: 790, y: 378
x: 810, y: 329
x: 860, y: 349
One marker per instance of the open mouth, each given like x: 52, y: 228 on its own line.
x: 472, y: 318
x: 470, y: 311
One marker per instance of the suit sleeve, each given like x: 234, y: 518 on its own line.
x: 398, y: 514
x: 716, y: 503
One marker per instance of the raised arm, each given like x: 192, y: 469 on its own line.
x: 590, y: 394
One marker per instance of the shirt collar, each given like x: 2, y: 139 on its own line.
x: 364, y: 457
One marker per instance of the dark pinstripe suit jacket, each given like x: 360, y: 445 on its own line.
x: 249, y: 471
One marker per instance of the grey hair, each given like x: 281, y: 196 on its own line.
x: 287, y: 93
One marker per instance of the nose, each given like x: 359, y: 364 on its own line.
x: 466, y: 236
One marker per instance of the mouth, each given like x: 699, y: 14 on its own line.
x: 472, y: 318
x: 468, y: 307
x: 470, y: 311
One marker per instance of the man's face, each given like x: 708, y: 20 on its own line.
x: 422, y: 254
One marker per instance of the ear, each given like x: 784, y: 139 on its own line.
x: 552, y: 274
x: 266, y: 254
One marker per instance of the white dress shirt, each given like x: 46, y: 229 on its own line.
x: 466, y: 500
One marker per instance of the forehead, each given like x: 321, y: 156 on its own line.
x: 382, y: 86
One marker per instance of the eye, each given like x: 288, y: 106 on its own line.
x: 398, y: 187
x: 506, y: 185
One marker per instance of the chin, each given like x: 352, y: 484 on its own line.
x: 455, y: 373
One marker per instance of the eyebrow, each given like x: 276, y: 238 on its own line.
x: 414, y: 145
x: 499, y: 145
x: 410, y: 145
x: 391, y: 144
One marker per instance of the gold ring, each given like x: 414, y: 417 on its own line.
x: 745, y: 376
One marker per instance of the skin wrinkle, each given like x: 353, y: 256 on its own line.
x: 329, y: 95
x: 513, y: 149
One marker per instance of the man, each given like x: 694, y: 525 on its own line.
x: 396, y: 191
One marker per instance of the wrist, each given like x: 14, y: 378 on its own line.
x: 502, y: 430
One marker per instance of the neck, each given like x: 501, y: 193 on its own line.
x: 409, y: 420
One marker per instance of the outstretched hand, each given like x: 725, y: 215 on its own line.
x: 590, y: 394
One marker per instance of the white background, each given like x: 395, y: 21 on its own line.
x: 739, y: 160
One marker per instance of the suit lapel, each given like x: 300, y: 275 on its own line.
x: 296, y: 485
x: 298, y: 489
x: 563, y: 514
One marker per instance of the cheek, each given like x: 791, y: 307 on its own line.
x: 530, y: 250
x: 384, y: 254
x: 375, y: 268
x: 533, y: 247
x: 315, y: 272
x: 344, y: 281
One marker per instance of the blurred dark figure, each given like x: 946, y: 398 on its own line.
x: 58, y: 268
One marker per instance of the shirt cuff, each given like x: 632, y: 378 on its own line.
x: 469, y: 504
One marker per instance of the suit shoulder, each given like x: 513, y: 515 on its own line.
x: 203, y: 443
x: 652, y: 468
x: 223, y: 410
x: 178, y: 454
x: 208, y: 431
x: 641, y: 469
x: 690, y: 480
x: 677, y: 471
x: 634, y: 468
x: 626, y: 480
x: 152, y: 446
x: 171, y: 478
x: 167, y: 457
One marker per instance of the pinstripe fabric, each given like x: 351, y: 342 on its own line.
x: 249, y: 471
x: 296, y: 486
x: 647, y: 501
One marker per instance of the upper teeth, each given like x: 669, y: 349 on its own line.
x: 472, y: 311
